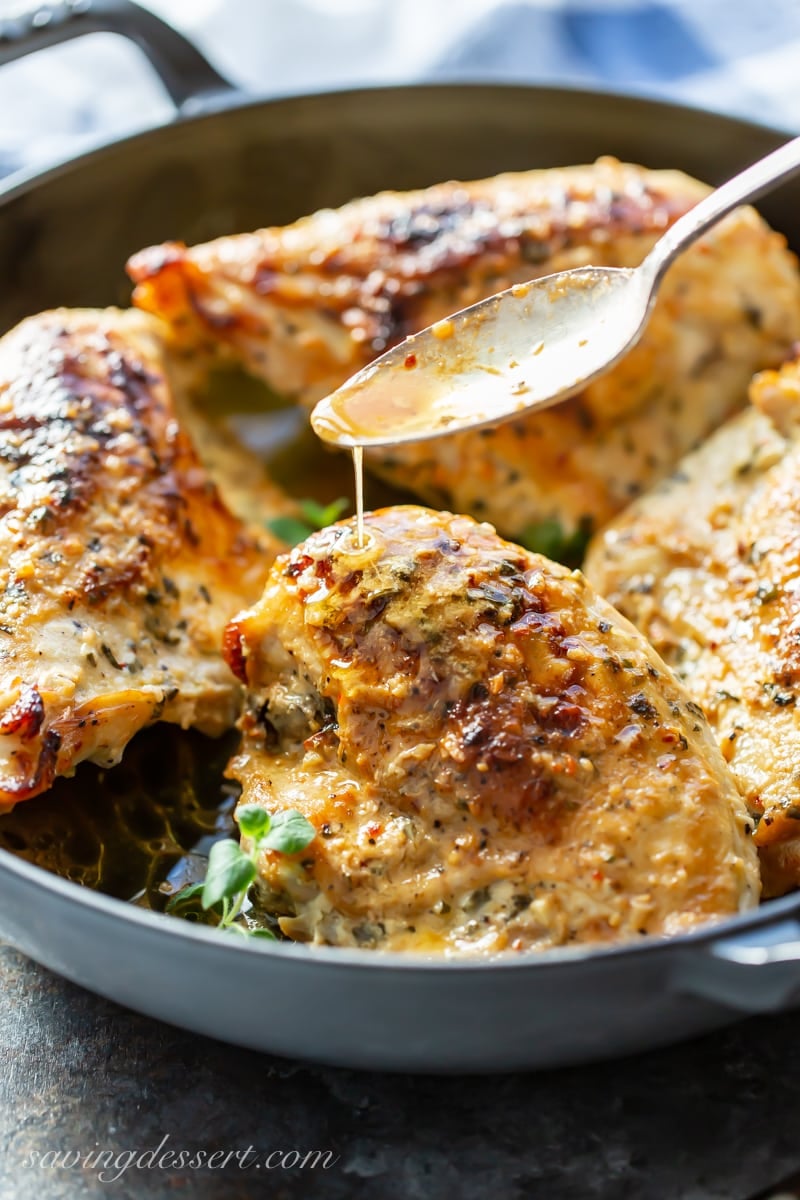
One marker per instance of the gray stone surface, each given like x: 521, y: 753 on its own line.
x: 715, y: 1119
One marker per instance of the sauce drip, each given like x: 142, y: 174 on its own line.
x: 358, y: 468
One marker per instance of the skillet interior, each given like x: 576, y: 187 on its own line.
x: 63, y: 240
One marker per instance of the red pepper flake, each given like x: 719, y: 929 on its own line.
x: 410, y: 361
x: 568, y: 717
x: 233, y: 650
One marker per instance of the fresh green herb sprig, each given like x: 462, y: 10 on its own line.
x: 313, y: 516
x: 551, y: 539
x: 232, y: 869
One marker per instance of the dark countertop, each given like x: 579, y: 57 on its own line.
x: 714, y: 1119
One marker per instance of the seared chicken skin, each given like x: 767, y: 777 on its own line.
x: 305, y: 306
x: 491, y: 756
x: 119, y: 563
x: 708, y: 566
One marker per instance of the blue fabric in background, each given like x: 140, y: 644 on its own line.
x: 619, y: 47
x: 736, y: 56
x: 652, y: 39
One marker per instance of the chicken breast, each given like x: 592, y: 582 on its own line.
x: 305, y: 306
x: 119, y: 563
x: 491, y: 756
x: 707, y: 566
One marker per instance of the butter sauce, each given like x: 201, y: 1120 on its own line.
x: 139, y: 831
x: 358, y: 469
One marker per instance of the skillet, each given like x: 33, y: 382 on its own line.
x: 228, y: 163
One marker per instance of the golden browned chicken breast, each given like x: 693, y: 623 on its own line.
x: 491, y: 756
x: 305, y: 306
x: 708, y: 567
x: 119, y: 563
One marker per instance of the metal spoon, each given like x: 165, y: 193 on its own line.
x: 529, y: 347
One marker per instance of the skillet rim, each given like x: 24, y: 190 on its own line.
x: 20, y: 182
x: 765, y: 915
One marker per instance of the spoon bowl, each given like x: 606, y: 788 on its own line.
x: 528, y: 347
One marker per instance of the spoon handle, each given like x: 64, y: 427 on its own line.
x: 747, y: 185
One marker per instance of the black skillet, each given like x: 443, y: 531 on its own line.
x: 231, y: 162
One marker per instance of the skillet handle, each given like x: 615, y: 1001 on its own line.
x: 184, y: 72
x: 757, y: 973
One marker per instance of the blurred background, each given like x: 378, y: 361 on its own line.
x: 735, y: 56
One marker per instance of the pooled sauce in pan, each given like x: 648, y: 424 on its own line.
x: 138, y: 831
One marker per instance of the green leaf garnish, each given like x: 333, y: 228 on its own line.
x: 550, y: 539
x: 320, y: 515
x: 289, y: 529
x: 253, y: 820
x: 289, y: 833
x: 187, y: 903
x: 230, y: 871
x: 313, y: 516
x: 545, y: 538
